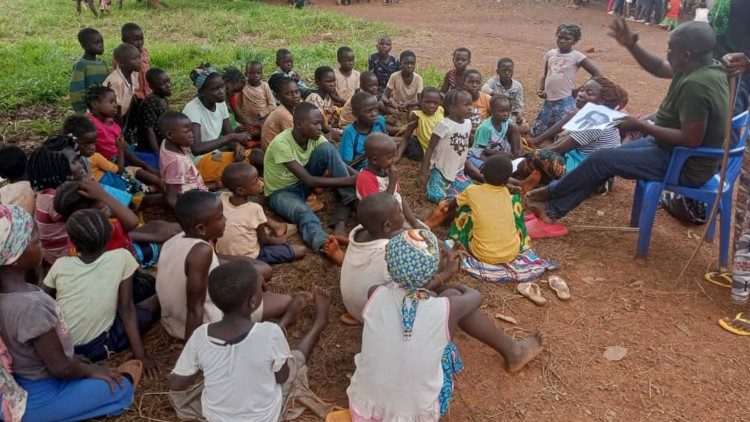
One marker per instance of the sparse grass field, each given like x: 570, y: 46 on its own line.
x: 38, y: 46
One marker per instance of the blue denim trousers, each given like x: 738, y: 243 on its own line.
x: 640, y: 159
x: 290, y: 201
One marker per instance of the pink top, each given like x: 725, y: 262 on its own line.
x: 108, y: 132
x: 178, y: 169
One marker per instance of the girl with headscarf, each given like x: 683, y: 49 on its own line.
x: 215, y: 146
x: 406, y: 366
x: 48, y: 382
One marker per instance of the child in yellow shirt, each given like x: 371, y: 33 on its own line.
x: 422, y: 121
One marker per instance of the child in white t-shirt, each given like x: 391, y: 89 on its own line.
x: 444, y: 168
x: 248, y: 367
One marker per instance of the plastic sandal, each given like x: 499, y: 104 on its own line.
x: 560, y: 287
x: 134, y: 368
x: 538, y: 229
x: 347, y: 319
x: 721, y: 279
x: 532, y: 292
x: 724, y: 323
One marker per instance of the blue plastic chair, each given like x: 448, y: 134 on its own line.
x: 648, y: 192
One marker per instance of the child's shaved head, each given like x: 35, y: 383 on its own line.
x: 361, y: 98
x: 122, y: 51
x: 496, y: 170
x: 231, y: 285
x: 377, y: 143
x: 194, y: 207
x: 236, y: 175
x: 380, y: 214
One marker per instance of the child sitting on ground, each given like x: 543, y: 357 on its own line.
x: 285, y: 63
x: 323, y: 98
x: 94, y: 292
x: 287, y: 93
x: 234, y: 83
x: 497, y: 135
x: 454, y: 77
x: 17, y: 190
x: 53, y: 163
x: 188, y: 258
x: 124, y: 80
x: 102, y: 104
x: 423, y: 120
x: 556, y: 86
x: 380, y: 175
x: 383, y: 64
x: 368, y: 120
x: 132, y: 34
x: 249, y: 371
x: 347, y: 79
x: 256, y: 100
x: 502, y: 83
x: 176, y: 167
x: 88, y: 71
x: 404, y: 86
x: 406, y: 366
x: 148, y: 136
x: 245, y: 233
x: 480, y: 107
x: 368, y: 82
x: 445, y: 171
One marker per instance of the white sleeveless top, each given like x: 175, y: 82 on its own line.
x: 171, y: 285
x: 399, y: 380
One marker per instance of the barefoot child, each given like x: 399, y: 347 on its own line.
x: 445, y: 171
x: 17, y: 190
x: 288, y: 94
x: 404, y: 86
x: 248, y: 368
x: 406, y: 365
x: 556, y: 85
x: 497, y: 135
x: 88, y: 71
x: 502, y: 83
x: 285, y: 63
x: 368, y: 120
x: 383, y: 64
x: 380, y: 174
x: 56, y: 384
x: 176, y: 167
x: 423, y: 120
x: 347, y: 79
x: 245, y: 233
x: 94, y: 291
x: 454, y: 77
x: 188, y: 258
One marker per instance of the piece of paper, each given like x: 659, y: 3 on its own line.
x: 593, y: 116
x: 516, y: 162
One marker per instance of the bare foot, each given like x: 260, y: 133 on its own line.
x: 530, y: 182
x: 523, y: 352
x: 333, y: 252
x: 322, y: 305
x: 300, y: 300
x: 539, y: 209
x: 541, y: 194
x: 438, y: 216
x: 341, y: 238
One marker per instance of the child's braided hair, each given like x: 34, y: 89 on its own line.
x: 77, y: 125
x: 276, y: 81
x: 88, y: 230
x: 48, y: 167
x: 571, y: 29
x: 232, y: 74
x: 68, y: 199
x: 94, y: 94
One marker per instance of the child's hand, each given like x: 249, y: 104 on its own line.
x: 88, y: 188
x: 111, y: 376
x: 150, y: 368
x: 422, y: 181
x: 295, y: 76
x: 541, y: 94
x: 392, y: 174
x: 239, y: 153
x: 121, y: 144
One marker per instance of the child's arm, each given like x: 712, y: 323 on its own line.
x: 450, y: 260
x: 514, y: 136
x: 589, y: 66
x: 387, y: 97
x: 446, y: 85
x: 127, y: 313
x: 197, y: 264
x: 121, y: 147
x: 171, y: 193
x: 392, y: 180
x: 318, y: 182
x: 239, y: 115
x: 180, y: 383
x: 409, y: 215
x: 91, y: 189
x: 553, y: 130
x: 472, y: 171
x: 411, y: 124
x: 200, y: 147
x: 541, y: 92
x: 337, y: 100
x: 425, y: 167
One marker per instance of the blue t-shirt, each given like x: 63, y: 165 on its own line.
x: 352, y: 143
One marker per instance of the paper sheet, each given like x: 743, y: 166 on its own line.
x: 593, y: 116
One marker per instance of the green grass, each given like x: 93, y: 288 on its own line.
x: 38, y: 43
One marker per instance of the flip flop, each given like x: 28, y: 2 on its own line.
x: 532, y: 292
x: 740, y: 332
x: 348, y: 319
x: 134, y: 368
x: 721, y: 279
x: 560, y: 287
x: 538, y: 229
x: 339, y: 416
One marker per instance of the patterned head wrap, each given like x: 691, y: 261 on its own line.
x: 200, y: 74
x: 16, y: 226
x: 412, y: 258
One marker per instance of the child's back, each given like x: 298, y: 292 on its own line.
x: 240, y: 382
x: 494, y: 238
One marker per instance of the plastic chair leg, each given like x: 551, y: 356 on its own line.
x: 725, y: 209
x: 648, y: 208
x: 635, y: 211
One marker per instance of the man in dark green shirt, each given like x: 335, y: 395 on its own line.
x: 691, y: 115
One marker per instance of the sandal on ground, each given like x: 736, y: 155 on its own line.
x: 133, y: 368
x: 721, y: 279
x: 314, y: 203
x: 339, y: 416
x: 532, y: 292
x: 538, y: 229
x: 347, y: 319
x: 725, y: 324
x: 560, y: 287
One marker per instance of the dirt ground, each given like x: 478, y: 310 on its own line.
x: 679, y: 366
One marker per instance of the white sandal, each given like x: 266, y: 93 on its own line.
x: 560, y: 287
x: 532, y: 292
